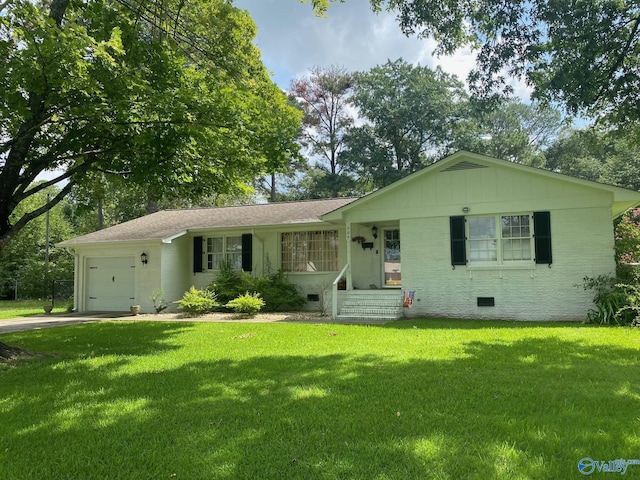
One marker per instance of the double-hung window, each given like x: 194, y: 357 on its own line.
x: 221, y: 249
x: 501, y: 239
x: 310, y: 251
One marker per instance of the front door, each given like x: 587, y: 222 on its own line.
x: 392, y: 276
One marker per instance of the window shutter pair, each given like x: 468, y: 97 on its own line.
x: 542, y: 239
x: 247, y: 253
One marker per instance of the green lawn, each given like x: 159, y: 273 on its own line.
x: 26, y: 308
x: 421, y: 399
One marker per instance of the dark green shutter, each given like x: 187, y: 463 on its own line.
x: 197, y: 254
x: 247, y: 252
x: 458, y: 237
x: 542, y: 237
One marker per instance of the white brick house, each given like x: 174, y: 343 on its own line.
x: 471, y: 236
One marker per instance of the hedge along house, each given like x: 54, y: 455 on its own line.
x: 469, y: 236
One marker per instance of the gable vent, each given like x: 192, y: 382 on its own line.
x: 463, y: 166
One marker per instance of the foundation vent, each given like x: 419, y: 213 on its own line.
x: 486, y: 302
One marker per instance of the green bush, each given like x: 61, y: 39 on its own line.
x: 249, y: 303
x: 614, y: 302
x: 275, y: 289
x: 229, y: 283
x: 159, y: 303
x: 278, y: 293
x: 197, y: 302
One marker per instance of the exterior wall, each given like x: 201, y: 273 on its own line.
x: 582, y: 242
x: 267, y: 256
x: 581, y: 235
x: 366, y: 265
x: 175, y: 275
x: 147, y: 277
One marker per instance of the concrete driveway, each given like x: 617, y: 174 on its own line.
x: 47, y: 321
x: 61, y: 320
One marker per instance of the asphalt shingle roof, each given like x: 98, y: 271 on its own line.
x: 167, y: 223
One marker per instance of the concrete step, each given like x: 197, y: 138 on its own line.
x: 358, y: 320
x: 367, y: 310
x: 373, y: 301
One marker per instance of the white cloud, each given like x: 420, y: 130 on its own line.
x: 293, y: 40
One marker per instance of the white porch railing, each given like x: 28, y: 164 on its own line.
x: 334, y: 291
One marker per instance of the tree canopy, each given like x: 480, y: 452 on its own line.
x: 167, y: 94
x: 410, y: 113
x: 583, y: 54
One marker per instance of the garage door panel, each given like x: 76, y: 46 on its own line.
x: 110, y: 283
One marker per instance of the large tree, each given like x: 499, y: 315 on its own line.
x: 511, y: 130
x: 582, y: 53
x: 323, y: 97
x: 410, y: 113
x: 597, y: 154
x: 170, y: 95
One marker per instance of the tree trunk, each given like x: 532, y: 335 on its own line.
x: 273, y: 187
x: 8, y: 353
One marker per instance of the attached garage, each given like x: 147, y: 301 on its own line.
x: 110, y: 284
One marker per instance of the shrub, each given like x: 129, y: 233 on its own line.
x: 69, y: 305
x: 615, y: 303
x: 197, y: 302
x: 278, y: 292
x: 159, y: 303
x: 627, y: 246
x: 275, y: 289
x: 249, y: 303
x: 229, y: 283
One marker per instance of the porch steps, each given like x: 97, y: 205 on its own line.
x: 371, y: 307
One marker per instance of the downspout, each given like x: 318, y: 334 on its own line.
x: 253, y: 232
x: 76, y: 282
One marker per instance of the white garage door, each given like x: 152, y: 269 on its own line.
x: 110, y: 284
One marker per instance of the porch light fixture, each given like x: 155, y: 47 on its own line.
x: 143, y: 258
x: 374, y: 231
x: 465, y: 209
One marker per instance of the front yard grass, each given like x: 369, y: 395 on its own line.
x: 26, y: 308
x: 442, y: 399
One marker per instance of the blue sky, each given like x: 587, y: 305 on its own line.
x: 293, y: 40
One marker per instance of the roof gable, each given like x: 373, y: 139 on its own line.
x: 475, y: 169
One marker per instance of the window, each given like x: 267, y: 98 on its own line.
x: 234, y: 252
x: 501, y: 239
x: 483, y: 244
x: 516, y: 237
x: 511, y: 242
x: 310, y: 251
x: 221, y: 249
x: 214, y: 253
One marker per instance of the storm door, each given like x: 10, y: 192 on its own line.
x: 392, y: 277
